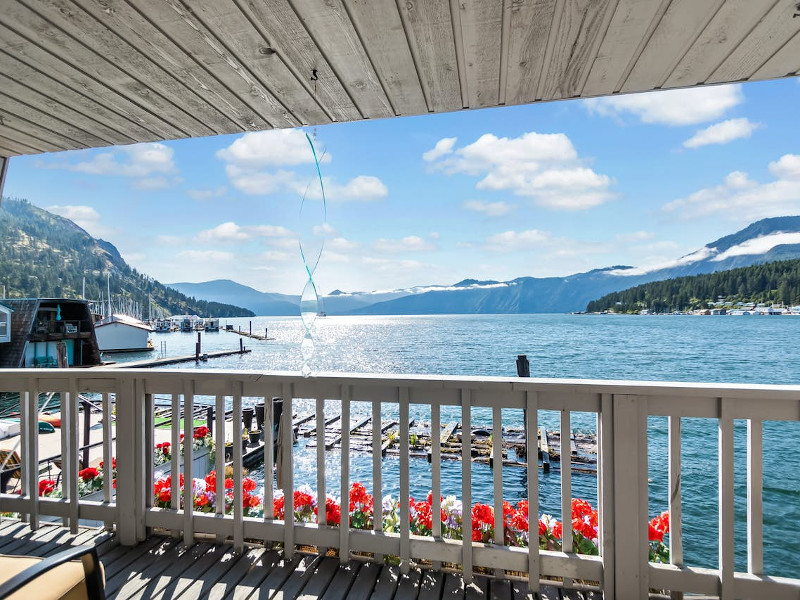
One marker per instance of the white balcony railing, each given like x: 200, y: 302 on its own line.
x: 621, y: 570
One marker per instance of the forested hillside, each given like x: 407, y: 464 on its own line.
x: 45, y: 255
x: 774, y: 282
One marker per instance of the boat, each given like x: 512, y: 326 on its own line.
x: 212, y: 324
x: 123, y: 333
x: 162, y: 326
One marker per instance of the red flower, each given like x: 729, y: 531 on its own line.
x: 201, y: 500
x: 542, y: 528
x: 301, y: 499
x: 211, y: 480
x: 557, y: 530
x: 248, y: 485
x: 228, y: 483
x: 165, y: 495
x: 200, y: 432
x: 278, y: 507
x: 88, y: 473
x: 46, y: 487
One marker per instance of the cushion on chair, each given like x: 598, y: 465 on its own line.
x: 64, y: 582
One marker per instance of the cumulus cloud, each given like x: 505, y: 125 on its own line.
x: 670, y: 107
x: 85, y: 217
x: 442, y: 147
x: 258, y: 164
x: 490, y: 209
x: 206, y: 194
x: 272, y: 148
x: 760, y: 245
x: 547, y: 245
x: 340, y: 244
x: 741, y: 199
x: 230, y: 232
x: 722, y: 133
x: 544, y: 167
x: 411, y: 243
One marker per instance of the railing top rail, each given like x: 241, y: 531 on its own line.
x: 674, y: 389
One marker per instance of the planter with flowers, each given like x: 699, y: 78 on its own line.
x: 202, y: 454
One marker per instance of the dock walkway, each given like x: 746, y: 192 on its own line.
x: 163, y: 567
x: 173, y: 360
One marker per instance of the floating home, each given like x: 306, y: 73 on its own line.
x: 38, y: 331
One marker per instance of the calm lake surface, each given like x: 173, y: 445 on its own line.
x: 674, y: 348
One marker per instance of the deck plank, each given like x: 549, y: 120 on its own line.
x: 126, y: 555
x: 257, y: 575
x: 225, y: 584
x: 500, y: 589
x: 387, y: 583
x: 275, y: 580
x: 24, y: 537
x: 186, y: 562
x: 143, y: 568
x: 318, y: 583
x: 297, y: 580
x: 199, y: 570
x: 342, y: 581
x: 431, y: 586
x: 365, y: 582
x: 453, y: 587
x: 478, y: 589
x: 408, y: 586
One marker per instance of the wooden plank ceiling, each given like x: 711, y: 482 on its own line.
x: 90, y: 73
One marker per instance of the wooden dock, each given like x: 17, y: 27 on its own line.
x: 252, y: 336
x: 174, y: 360
x: 164, y: 567
x: 583, y: 447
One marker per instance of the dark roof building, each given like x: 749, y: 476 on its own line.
x: 44, y: 329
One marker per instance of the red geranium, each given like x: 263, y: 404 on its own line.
x: 46, y: 487
x: 88, y: 473
x: 200, y: 432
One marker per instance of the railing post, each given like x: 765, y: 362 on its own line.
x: 126, y: 463
x: 630, y: 496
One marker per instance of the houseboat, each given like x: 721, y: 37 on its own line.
x: 52, y: 332
x: 123, y: 333
x: 212, y: 324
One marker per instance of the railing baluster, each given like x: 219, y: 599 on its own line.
x: 65, y: 465
x: 377, y: 459
x: 175, y: 450
x: 605, y: 493
x: 188, y: 451
x: 219, y: 467
x: 322, y: 518
x: 726, y: 493
x: 466, y: 485
x: 566, y: 486
x: 675, y: 498
x: 108, y: 456
x: 755, y: 517
x: 31, y: 455
x: 149, y: 444
x: 405, y: 532
x: 436, y: 475
x: 287, y: 470
x: 238, y: 508
x: 344, y: 532
x: 532, y: 426
x: 269, y: 449
x: 497, y: 472
x: 72, y: 457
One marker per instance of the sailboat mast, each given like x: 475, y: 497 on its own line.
x: 108, y: 284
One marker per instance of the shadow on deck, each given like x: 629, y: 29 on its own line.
x: 165, y: 568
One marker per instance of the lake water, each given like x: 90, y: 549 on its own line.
x: 675, y: 348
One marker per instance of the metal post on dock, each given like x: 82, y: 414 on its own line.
x: 241, y: 345
x: 251, y: 328
x: 197, y: 347
x: 266, y: 333
x: 210, y: 420
x: 524, y: 370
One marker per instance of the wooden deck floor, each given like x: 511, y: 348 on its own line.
x: 164, y: 568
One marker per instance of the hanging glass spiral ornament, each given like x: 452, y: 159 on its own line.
x: 309, y: 300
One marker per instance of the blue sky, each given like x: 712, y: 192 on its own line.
x: 538, y: 190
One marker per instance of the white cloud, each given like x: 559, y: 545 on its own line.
x: 324, y: 230
x: 442, y: 147
x: 760, y: 245
x: 255, y: 164
x: 230, y: 232
x: 85, y: 217
x: 341, y: 244
x: 671, y: 107
x: 545, y: 167
x: 508, y: 241
x: 395, y: 266
x: 138, y: 160
x: 688, y: 259
x: 490, y: 209
x: 741, y: 199
x: 547, y: 246
x: 722, y: 133
x: 206, y: 256
x: 272, y: 148
x: 411, y: 243
x: 205, y: 194
x: 275, y: 255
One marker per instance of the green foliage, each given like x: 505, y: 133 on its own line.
x: 774, y: 282
x: 43, y: 255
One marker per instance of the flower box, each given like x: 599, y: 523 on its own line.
x: 201, y: 464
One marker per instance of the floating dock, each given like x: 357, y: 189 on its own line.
x: 173, y: 360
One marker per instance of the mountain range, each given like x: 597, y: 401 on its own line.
x: 766, y: 240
